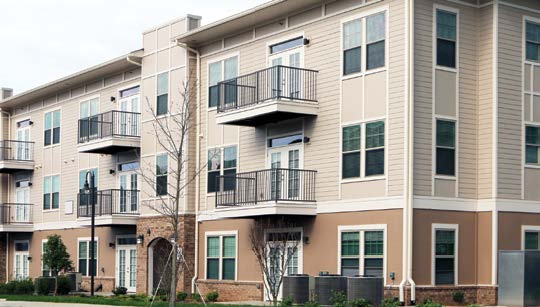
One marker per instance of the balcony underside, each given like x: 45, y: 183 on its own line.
x: 268, y: 208
x: 110, y: 145
x: 267, y: 112
x: 109, y: 220
x: 11, y: 166
x: 22, y: 227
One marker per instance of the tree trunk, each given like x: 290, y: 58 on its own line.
x: 174, y: 272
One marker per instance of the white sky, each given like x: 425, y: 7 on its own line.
x: 43, y: 40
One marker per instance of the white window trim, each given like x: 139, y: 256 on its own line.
x: 221, y: 168
x: 363, y: 176
x: 168, y: 72
x: 526, y: 19
x: 51, y: 209
x: 362, y: 229
x: 434, y: 151
x: 87, y: 99
x: 88, y: 240
x: 449, y: 9
x: 52, y: 127
x: 220, y: 234
x: 455, y: 228
x: 282, y: 39
x: 528, y: 228
x: 211, y: 61
x: 363, y: 71
x: 127, y: 87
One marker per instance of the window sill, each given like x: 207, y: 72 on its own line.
x: 211, y: 109
x: 532, y: 166
x: 362, y: 73
x: 51, y: 146
x: 445, y: 68
x: 363, y: 179
x: 50, y: 210
x: 445, y: 177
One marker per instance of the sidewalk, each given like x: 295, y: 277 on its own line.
x: 42, y: 304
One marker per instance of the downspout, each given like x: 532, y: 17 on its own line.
x: 197, y: 163
x: 128, y: 58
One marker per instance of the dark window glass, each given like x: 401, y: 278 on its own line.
x: 445, y: 151
x: 162, y: 169
x: 82, y: 267
x: 446, y: 161
x: 350, y: 267
x: 532, y: 140
x: 286, y: 140
x: 47, y: 137
x: 446, y: 38
x: 56, y: 135
x: 213, y: 184
x: 162, y: 104
x: 292, y: 43
x: 351, y: 165
x: 446, y: 53
x: 352, y: 60
x: 444, y: 257
x: 373, y: 267
x: 375, y: 55
x: 351, y: 152
x: 55, y: 200
x: 533, y: 41
x: 229, y: 269
x: 444, y: 271
x: 531, y: 240
x: 46, y: 201
x: 375, y: 162
x: 213, y: 96
x: 212, y: 269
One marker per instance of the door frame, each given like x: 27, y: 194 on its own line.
x: 118, y: 181
x: 25, y: 206
x: 126, y: 247
x: 23, y: 253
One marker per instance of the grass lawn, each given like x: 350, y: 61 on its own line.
x: 100, y: 300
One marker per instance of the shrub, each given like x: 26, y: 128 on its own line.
x: 286, y: 301
x: 360, y: 302
x: 120, y: 291
x: 338, y: 299
x: 160, y: 291
x: 212, y: 296
x: 474, y: 305
x: 44, y: 285
x: 196, y: 297
x: 138, y: 297
x: 23, y: 286
x: 181, y: 296
x: 429, y: 303
x: 3, y: 288
x: 63, y: 285
x: 312, y: 303
x: 390, y: 302
x: 458, y: 297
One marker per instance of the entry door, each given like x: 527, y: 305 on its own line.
x: 128, y: 185
x: 129, y: 122
x: 22, y: 209
x: 286, y: 82
x: 126, y: 267
x: 284, y: 163
x: 294, y: 258
x: 20, y: 260
x: 23, y: 145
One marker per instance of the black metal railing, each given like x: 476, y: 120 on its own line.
x: 108, y: 124
x: 278, y: 82
x: 15, y: 213
x: 278, y: 184
x: 16, y: 150
x: 108, y: 202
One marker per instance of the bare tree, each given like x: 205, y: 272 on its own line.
x: 275, y: 243
x: 168, y: 185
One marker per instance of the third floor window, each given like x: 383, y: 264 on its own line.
x: 162, y: 99
x: 51, y: 132
x: 533, y: 41
x: 446, y: 38
x: 220, y: 71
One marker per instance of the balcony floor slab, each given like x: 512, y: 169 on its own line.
x: 110, y: 145
x: 10, y: 166
x: 267, y: 208
x: 17, y: 227
x: 105, y: 220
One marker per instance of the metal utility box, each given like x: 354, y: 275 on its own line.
x: 326, y: 285
x: 367, y: 287
x: 519, y: 278
x: 298, y: 287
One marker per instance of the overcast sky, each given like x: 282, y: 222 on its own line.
x: 43, y: 40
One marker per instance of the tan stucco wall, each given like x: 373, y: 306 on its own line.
x: 510, y: 223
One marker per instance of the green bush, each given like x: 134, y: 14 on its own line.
x: 360, y: 302
x: 458, y: 297
x: 138, y: 297
x: 338, y: 299
x: 212, y: 296
x: 390, y: 302
x: 23, y: 286
x: 44, y: 285
x: 286, y: 301
x: 160, y: 291
x: 181, y: 296
x: 196, y: 297
x: 474, y: 305
x: 312, y: 303
x: 63, y: 284
x: 120, y: 291
x: 429, y: 303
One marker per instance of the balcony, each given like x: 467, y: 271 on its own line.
x: 266, y: 96
x: 16, y: 156
x: 16, y: 217
x: 109, y: 132
x: 275, y: 191
x: 112, y: 207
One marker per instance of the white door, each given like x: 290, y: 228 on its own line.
x: 128, y: 201
x: 126, y: 267
x: 22, y: 207
x: 284, y: 163
x: 20, y: 260
x: 23, y: 145
x: 129, y: 121
x: 293, y: 258
x: 286, y: 82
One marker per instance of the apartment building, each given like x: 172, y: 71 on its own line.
x: 399, y: 137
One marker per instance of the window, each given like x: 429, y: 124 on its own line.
x: 84, y: 199
x: 375, y: 40
x: 445, y: 249
x: 85, y: 265
x: 446, y: 147
x: 285, y: 140
x: 532, y: 144
x: 45, y: 271
x: 286, y: 45
x: 533, y: 41
x: 51, y: 192
x: 352, y: 47
x: 220, y: 71
x: 161, y: 175
x: 532, y: 240
x: 221, y: 257
x: 89, y: 123
x: 371, y: 150
x: 162, y: 102
x: 362, y: 253
x: 446, y: 38
x: 222, y: 161
x: 52, y: 128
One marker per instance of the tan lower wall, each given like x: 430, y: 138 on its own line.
x: 510, y: 228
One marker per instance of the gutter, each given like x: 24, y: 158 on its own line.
x: 128, y: 58
x: 197, y: 163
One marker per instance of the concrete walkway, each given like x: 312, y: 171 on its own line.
x: 42, y: 304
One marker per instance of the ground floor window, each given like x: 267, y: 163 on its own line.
x: 84, y: 262
x: 445, y: 250
x: 45, y: 271
x: 532, y: 240
x: 362, y: 251
x: 21, y: 259
x: 221, y: 256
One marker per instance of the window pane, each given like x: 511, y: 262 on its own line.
x: 82, y: 267
x: 214, y: 75
x: 231, y: 68
x: 373, y: 267
x: 213, y: 184
x: 47, y: 137
x: 351, y: 138
x: 162, y: 84
x: 531, y: 240
x: 48, y: 120
x: 444, y: 271
x: 161, y: 164
x: 350, y: 267
x: 214, y: 159
x: 229, y: 180
x: 444, y: 242
x: 56, y: 118
x: 351, y: 165
x: 47, y: 185
x: 47, y: 201
x: 161, y: 185
x: 229, y: 269
x: 532, y: 135
x: 56, y: 135
x: 83, y: 252
x: 229, y: 157
x: 55, y: 184
x: 352, y: 34
x: 533, y: 32
x: 212, y: 247
x: 375, y: 162
x: 375, y: 27
x: 229, y: 246
x: 292, y: 43
x: 213, y: 95
x: 212, y: 269
x: 162, y: 105
x: 446, y: 25
x: 55, y: 200
x: 352, y: 60
x: 446, y: 161
x: 533, y: 52
x: 446, y: 53
x: 285, y: 140
x: 375, y: 55
x: 446, y: 133
x: 374, y: 243
x: 350, y: 243
x: 531, y: 154
x: 375, y: 134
